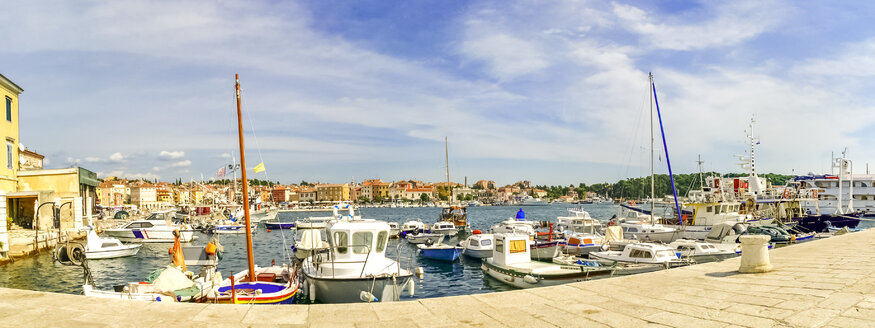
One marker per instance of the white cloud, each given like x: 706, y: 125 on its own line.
x: 181, y: 163
x: 92, y: 159
x: 117, y: 157
x: 225, y: 155
x: 731, y: 22
x: 171, y: 155
x: 156, y: 168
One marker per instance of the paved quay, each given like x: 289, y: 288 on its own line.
x: 824, y: 283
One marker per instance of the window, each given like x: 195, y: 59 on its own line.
x: 381, y: 240
x: 341, y: 240
x: 473, y: 242
x: 9, y: 148
x: 639, y: 254
x: 9, y: 109
x: 486, y: 242
x: 708, y: 209
x: 499, y: 245
x: 362, y: 242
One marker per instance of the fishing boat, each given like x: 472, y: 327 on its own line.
x: 581, y: 232
x: 444, y: 228
x: 457, y: 215
x: 541, y: 249
x: 355, y: 268
x: 171, y: 283
x: 511, y: 263
x: 647, y: 253
x: 107, y: 248
x: 156, y: 228
x: 477, y: 245
x: 255, y: 285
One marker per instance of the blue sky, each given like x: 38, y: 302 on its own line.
x: 551, y: 91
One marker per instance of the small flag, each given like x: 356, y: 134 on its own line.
x: 221, y: 173
x: 259, y: 167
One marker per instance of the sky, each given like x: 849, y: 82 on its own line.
x: 555, y: 92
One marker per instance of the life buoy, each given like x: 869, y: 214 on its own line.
x: 814, y: 194
x: 787, y: 193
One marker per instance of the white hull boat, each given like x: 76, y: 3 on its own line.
x: 107, y: 248
x: 477, y: 246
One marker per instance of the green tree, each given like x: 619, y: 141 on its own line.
x: 424, y: 198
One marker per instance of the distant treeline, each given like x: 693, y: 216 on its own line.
x: 638, y: 188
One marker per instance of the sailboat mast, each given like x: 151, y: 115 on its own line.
x: 652, y: 179
x: 447, y: 157
x: 249, y: 256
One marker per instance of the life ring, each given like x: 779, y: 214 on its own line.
x: 814, y: 194
x: 786, y: 193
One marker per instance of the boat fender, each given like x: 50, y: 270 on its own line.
x: 420, y: 273
x: 367, y: 297
x: 312, y: 292
x: 411, y: 287
x: 530, y: 279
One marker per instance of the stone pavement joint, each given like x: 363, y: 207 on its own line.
x: 822, y: 283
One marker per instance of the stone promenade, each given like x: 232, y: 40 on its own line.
x: 824, y: 283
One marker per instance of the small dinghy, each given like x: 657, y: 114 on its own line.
x: 107, y: 248
x: 279, y: 225
x: 422, y: 238
x: 440, y: 251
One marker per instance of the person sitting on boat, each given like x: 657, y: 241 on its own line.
x: 521, y: 216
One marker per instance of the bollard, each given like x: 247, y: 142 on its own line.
x: 755, y: 254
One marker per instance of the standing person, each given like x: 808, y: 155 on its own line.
x: 520, y: 216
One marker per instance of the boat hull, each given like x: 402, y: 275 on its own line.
x: 518, y: 278
x: 545, y: 251
x: 477, y: 253
x: 348, y: 290
x: 441, y: 254
x: 271, y: 293
x: 821, y: 223
x: 148, y: 235
x: 279, y: 225
x: 127, y: 250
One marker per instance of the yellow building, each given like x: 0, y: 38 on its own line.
x: 182, y: 196
x: 332, y: 192
x: 9, y: 92
x: 197, y: 196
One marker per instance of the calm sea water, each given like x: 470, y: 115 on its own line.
x: 441, y: 278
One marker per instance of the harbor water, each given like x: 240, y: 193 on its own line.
x: 440, y: 279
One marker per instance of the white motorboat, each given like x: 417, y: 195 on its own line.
x: 156, y: 228
x: 394, y: 229
x: 477, y: 245
x: 445, y: 228
x: 581, y: 244
x: 107, y: 248
x: 581, y: 232
x: 228, y: 226
x: 531, y: 201
x: 655, y: 232
x: 413, y: 225
x: 355, y: 267
x: 512, y: 226
x: 641, y: 253
x: 511, y: 263
x: 703, y: 252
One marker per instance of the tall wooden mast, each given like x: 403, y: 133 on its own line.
x: 245, y: 183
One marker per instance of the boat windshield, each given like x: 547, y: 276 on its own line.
x: 362, y: 242
x: 473, y: 242
x: 381, y: 241
x: 486, y: 242
x: 341, y: 240
x: 665, y: 253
